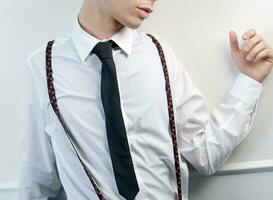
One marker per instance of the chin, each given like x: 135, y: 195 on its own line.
x: 134, y: 24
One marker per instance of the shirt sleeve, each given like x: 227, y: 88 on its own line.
x: 206, y: 139
x: 38, y: 174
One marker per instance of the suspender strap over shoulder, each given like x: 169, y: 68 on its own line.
x: 171, y: 115
x: 53, y: 102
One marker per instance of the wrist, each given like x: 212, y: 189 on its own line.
x: 258, y: 79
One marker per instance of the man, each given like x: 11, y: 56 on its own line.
x: 49, y: 162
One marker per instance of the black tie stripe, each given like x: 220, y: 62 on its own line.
x: 116, y: 134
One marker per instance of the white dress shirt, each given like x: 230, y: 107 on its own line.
x: 48, y: 160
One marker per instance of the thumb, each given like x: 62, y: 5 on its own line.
x: 233, y: 40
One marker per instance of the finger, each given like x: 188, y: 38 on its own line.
x: 252, y: 42
x: 255, y: 50
x: 233, y: 40
x: 261, y: 55
x: 248, y: 34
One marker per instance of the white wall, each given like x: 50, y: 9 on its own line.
x: 242, y: 186
x: 25, y: 25
x: 198, y: 33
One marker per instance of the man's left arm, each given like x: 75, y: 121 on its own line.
x: 207, y: 140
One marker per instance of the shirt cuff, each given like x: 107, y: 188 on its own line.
x: 246, y: 89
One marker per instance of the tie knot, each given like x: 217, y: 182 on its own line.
x: 103, y: 49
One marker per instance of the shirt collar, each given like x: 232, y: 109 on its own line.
x: 84, y: 42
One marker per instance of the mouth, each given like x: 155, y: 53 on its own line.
x: 144, y: 12
x: 146, y: 9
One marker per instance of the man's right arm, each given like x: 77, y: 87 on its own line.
x: 39, y: 178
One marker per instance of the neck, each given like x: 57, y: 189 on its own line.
x: 96, y: 21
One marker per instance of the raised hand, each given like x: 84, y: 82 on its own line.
x: 255, y: 58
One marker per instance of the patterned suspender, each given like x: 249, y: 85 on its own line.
x: 171, y: 115
x: 53, y: 102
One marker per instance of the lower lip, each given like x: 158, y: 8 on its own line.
x: 144, y: 14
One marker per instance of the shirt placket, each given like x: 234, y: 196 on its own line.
x: 142, y: 194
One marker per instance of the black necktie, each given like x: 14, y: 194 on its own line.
x: 116, y: 134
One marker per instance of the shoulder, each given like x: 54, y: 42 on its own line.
x: 38, y: 54
x: 167, y: 49
x: 37, y: 57
x: 172, y: 61
x: 144, y: 36
x: 35, y: 67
